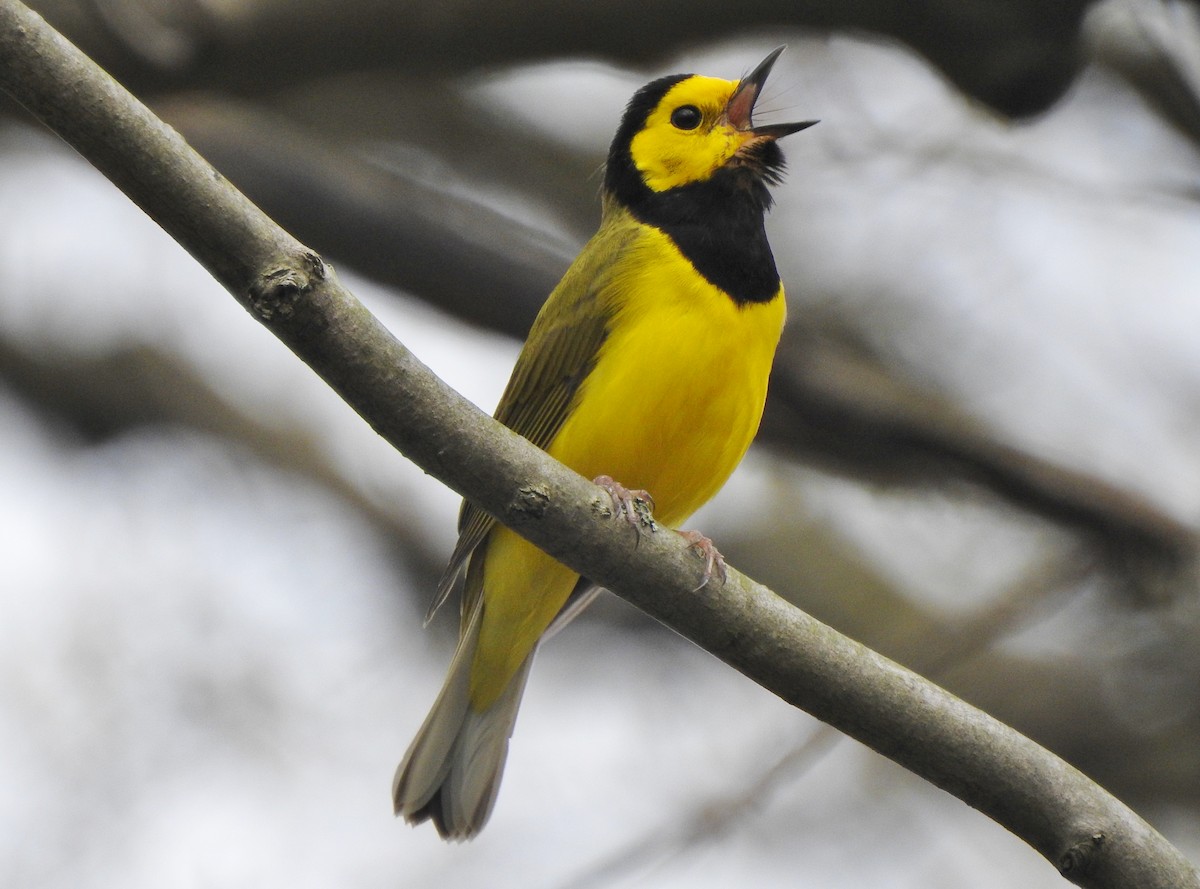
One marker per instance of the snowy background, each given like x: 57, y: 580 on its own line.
x: 213, y: 573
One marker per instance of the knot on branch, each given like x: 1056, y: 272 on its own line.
x: 1081, y: 858
x: 530, y: 503
x: 277, y: 292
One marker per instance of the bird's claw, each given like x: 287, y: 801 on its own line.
x: 704, y: 548
x: 634, y: 505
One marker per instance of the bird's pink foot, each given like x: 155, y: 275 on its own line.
x: 635, y: 505
x: 713, y: 559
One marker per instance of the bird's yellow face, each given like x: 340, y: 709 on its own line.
x: 687, y: 142
x: 688, y: 136
x: 689, y: 161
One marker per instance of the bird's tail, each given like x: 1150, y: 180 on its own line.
x: 451, y: 772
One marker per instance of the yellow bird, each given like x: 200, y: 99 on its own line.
x: 648, y: 364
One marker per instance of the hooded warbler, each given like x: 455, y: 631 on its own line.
x: 647, y: 364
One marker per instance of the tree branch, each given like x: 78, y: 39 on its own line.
x: 1093, y: 839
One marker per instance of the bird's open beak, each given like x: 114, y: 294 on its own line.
x: 740, y: 109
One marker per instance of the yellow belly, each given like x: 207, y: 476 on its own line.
x: 678, y: 390
x: 671, y: 406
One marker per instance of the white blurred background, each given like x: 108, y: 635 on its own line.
x: 982, y: 458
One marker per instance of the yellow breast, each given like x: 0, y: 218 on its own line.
x: 678, y: 388
x: 670, y: 406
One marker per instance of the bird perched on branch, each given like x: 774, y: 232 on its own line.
x: 648, y: 364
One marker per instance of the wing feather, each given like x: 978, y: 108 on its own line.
x: 560, y: 352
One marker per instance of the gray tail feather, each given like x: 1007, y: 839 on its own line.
x: 451, y: 772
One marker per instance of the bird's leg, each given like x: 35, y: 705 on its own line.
x: 635, y: 505
x: 704, y: 548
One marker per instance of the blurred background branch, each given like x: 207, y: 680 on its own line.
x: 1017, y: 56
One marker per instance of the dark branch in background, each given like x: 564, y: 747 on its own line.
x: 1093, y: 839
x: 482, y: 264
x: 1016, y: 56
x: 834, y: 405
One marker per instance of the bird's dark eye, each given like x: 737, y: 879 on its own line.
x: 686, y: 117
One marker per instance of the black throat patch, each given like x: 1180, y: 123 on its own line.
x: 718, y: 227
x: 717, y: 224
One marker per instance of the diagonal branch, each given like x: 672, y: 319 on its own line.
x: 1092, y: 838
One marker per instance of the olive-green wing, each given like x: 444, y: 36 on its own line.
x: 558, y: 355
